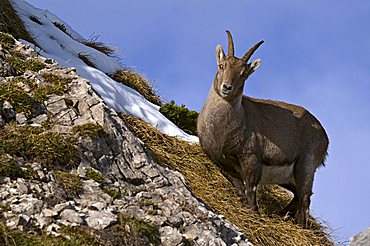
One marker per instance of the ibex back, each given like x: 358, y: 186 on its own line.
x: 256, y: 141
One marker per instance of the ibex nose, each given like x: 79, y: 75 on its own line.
x: 226, y: 87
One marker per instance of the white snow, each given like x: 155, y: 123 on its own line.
x: 65, y: 49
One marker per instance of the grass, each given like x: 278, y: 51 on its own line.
x: 138, y: 83
x: 6, y: 40
x: 11, y: 23
x: 34, y: 145
x: 85, y: 58
x: 61, y: 27
x: 210, y: 185
x: 112, y: 192
x: 94, y: 175
x: 89, y: 130
x: 95, y: 44
x: 70, y: 183
x: 21, y: 65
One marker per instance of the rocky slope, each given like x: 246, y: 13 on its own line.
x: 105, y: 178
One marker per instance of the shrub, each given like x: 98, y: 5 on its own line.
x: 138, y: 83
x: 20, y: 64
x: 94, y: 175
x: 89, y: 130
x: 181, y: 116
x: 70, y: 183
x: 6, y: 40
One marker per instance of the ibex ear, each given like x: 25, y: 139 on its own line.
x: 220, y: 54
x: 255, y: 64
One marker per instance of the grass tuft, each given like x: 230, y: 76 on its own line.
x: 103, y: 48
x: 36, y: 20
x: 85, y: 58
x: 94, y: 175
x: 48, y: 148
x: 61, y: 27
x: 21, y: 65
x: 89, y: 130
x: 6, y: 40
x: 213, y: 188
x: 70, y: 183
x: 138, y: 83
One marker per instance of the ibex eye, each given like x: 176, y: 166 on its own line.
x: 221, y: 67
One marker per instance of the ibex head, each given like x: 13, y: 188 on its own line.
x: 233, y: 71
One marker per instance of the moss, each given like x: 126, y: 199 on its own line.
x: 181, y: 116
x: 5, y: 208
x: 207, y: 183
x: 70, y: 183
x: 138, y: 83
x: 48, y: 148
x: 20, y: 64
x: 94, y: 175
x: 89, y: 130
x: 103, y: 48
x: 6, y: 40
x: 140, y: 227
x: 113, y: 192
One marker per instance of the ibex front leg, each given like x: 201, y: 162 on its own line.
x: 251, y: 174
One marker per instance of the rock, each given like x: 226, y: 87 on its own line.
x: 27, y: 205
x: 71, y: 216
x: 170, y: 236
x: 42, y: 221
x: 21, y: 118
x: 100, y: 220
x: 8, y: 112
x: 361, y: 239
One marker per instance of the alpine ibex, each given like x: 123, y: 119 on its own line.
x: 256, y: 141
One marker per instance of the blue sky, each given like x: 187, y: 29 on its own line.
x: 316, y: 54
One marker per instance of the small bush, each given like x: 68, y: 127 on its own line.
x: 35, y: 19
x: 113, y: 192
x: 89, y: 130
x: 55, y: 85
x: 181, y: 116
x: 138, y: 83
x: 61, y: 27
x: 9, y: 167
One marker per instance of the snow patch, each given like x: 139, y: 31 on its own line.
x: 65, y: 49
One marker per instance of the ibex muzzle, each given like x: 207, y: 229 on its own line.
x: 256, y: 141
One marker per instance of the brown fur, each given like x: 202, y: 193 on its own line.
x: 246, y: 136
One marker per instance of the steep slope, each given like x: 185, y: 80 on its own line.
x: 102, y: 180
x: 68, y: 160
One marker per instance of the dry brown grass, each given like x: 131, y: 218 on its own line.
x: 137, y: 82
x: 95, y: 44
x: 207, y: 183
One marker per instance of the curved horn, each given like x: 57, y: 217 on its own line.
x: 230, y: 49
x: 251, y: 51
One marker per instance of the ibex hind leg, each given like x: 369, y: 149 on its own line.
x: 304, y: 173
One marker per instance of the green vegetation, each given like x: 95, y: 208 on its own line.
x: 9, y: 167
x: 17, y: 97
x: 11, y: 23
x: 48, y: 148
x: 113, y: 192
x: 138, y: 83
x: 20, y: 64
x: 89, y: 130
x: 94, y: 175
x: 6, y: 40
x: 181, y: 116
x: 76, y: 236
x: 70, y: 183
x: 139, y: 228
x: 95, y: 44
x: 207, y: 183
x: 55, y: 85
